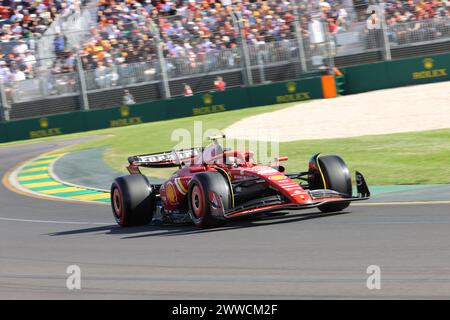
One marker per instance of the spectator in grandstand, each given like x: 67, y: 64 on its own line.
x: 219, y: 84
x: 5, y: 72
x: 342, y: 17
x: 316, y: 31
x: 18, y: 74
x: 187, y: 90
x: 20, y: 47
x: 127, y: 98
x: 113, y: 75
x: 29, y: 61
x: 333, y: 27
x: 101, y: 75
x: 59, y: 44
x: 373, y: 21
x: 373, y: 29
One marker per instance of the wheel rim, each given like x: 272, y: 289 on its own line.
x: 197, y: 201
x: 117, y: 204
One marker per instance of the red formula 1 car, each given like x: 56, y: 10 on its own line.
x: 213, y: 185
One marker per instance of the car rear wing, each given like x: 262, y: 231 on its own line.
x: 165, y: 159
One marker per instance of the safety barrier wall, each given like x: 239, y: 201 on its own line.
x: 45, y: 126
x: 3, y: 137
x: 200, y: 104
x: 383, y: 75
x: 286, y: 92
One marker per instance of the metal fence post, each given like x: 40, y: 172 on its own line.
x: 162, y: 61
x: 299, y: 37
x: 4, y: 106
x: 329, y: 47
x: 387, y: 45
x: 82, y: 79
x: 262, y: 74
x: 237, y: 22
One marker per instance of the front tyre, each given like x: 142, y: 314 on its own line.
x: 331, y: 172
x: 133, y: 200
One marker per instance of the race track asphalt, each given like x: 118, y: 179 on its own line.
x: 295, y: 256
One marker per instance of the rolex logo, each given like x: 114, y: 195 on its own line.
x: 43, y: 123
x: 207, y: 99
x: 291, y: 87
x: 124, y: 111
x: 428, y: 63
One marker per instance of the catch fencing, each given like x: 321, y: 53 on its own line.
x: 307, y: 48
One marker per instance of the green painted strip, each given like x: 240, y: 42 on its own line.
x: 103, y: 200
x: 44, y: 170
x: 396, y: 188
x: 375, y: 190
x: 30, y: 166
x: 37, y: 181
x: 37, y: 189
x: 46, y: 158
x: 36, y: 163
x: 74, y: 193
x: 25, y: 174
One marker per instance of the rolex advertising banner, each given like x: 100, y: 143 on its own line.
x: 207, y: 103
x: 417, y: 71
x: 383, y: 75
x: 45, y: 126
x: 291, y: 91
x: 125, y: 115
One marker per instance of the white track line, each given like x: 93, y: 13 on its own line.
x: 401, y: 203
x: 55, y: 222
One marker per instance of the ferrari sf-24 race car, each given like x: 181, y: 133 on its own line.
x: 213, y: 185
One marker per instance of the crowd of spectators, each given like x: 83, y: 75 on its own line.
x: 194, y: 33
x: 397, y: 11
x: 22, y: 23
x: 413, y: 20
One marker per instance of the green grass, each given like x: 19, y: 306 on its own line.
x: 406, y: 158
x: 156, y: 136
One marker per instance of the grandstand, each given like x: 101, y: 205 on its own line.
x: 59, y: 56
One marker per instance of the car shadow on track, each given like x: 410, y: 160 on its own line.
x: 189, y: 229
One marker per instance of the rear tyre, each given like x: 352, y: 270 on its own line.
x: 205, y: 189
x: 133, y: 200
x: 334, y: 171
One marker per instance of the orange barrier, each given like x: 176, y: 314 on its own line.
x: 329, y: 86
